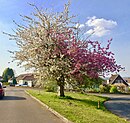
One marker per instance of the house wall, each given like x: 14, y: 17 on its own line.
x: 108, y: 82
x: 21, y: 82
x: 10, y: 81
x: 126, y: 89
x: 30, y: 83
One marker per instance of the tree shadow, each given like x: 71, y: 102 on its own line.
x: 86, y: 102
x: 13, y: 98
x: 91, y: 103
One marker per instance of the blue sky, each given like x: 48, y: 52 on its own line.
x: 108, y: 18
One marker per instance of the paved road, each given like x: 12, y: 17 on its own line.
x: 18, y: 107
x: 118, y: 104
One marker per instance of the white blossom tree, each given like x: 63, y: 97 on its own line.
x: 49, y: 43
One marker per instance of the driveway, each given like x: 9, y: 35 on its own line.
x: 18, y: 107
x: 118, y: 104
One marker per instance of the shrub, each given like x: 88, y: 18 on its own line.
x: 104, y: 88
x: 50, y: 85
x: 113, y: 89
x: 92, y: 90
x: 129, y: 89
x: 6, y: 83
x: 121, y: 88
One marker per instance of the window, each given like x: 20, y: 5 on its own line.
x: 119, y: 81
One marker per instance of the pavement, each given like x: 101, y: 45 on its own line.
x: 18, y: 107
x: 118, y: 104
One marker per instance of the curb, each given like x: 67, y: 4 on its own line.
x: 50, y: 109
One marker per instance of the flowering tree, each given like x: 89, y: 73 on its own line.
x: 49, y: 43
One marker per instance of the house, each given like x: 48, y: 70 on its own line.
x: 127, y: 80
x: 10, y: 80
x: 26, y: 79
x: 118, y: 81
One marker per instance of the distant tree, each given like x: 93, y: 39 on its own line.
x: 14, y: 81
x: 7, y: 74
x: 50, y: 43
x: 92, y: 82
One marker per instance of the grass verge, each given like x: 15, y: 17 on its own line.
x: 79, y: 108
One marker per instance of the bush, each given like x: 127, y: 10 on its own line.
x: 92, y: 90
x: 50, y: 86
x: 104, y: 88
x: 5, y: 83
x: 113, y: 89
x: 121, y: 88
x: 129, y: 89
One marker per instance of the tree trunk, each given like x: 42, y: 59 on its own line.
x: 61, y: 82
x: 62, y: 91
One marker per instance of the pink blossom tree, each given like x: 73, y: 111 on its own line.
x: 49, y: 44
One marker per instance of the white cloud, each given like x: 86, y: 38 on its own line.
x: 79, y: 25
x: 99, y: 26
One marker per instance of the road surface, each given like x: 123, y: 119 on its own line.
x: 118, y: 104
x: 18, y: 107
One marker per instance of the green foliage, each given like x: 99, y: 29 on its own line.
x: 93, y: 90
x: 108, y: 89
x: 5, y: 83
x: 5, y: 78
x: 66, y: 97
x: 14, y: 81
x: 113, y: 89
x: 7, y: 74
x: 90, y: 82
x: 50, y: 85
x: 129, y: 89
x: 104, y: 88
x: 89, y: 85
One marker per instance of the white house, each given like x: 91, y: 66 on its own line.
x: 26, y: 79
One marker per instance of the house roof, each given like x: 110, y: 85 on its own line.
x: 28, y: 76
x: 127, y: 79
x: 114, y: 77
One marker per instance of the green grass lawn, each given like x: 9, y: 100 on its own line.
x: 79, y: 108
